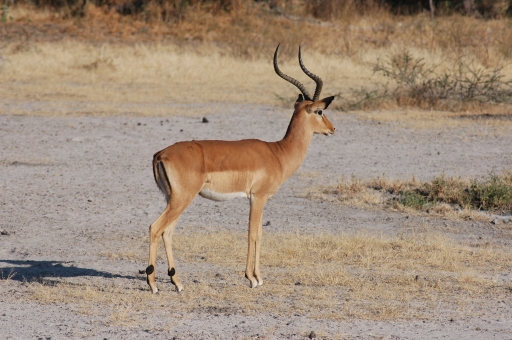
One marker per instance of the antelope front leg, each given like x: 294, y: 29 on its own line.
x: 257, y: 273
x: 252, y: 270
x: 167, y: 237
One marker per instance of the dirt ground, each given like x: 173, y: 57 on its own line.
x: 74, y: 188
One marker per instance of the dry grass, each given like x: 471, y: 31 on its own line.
x: 252, y: 30
x: 146, y: 80
x: 482, y: 119
x: 454, y: 198
x: 320, y: 276
x: 124, y: 65
x: 7, y: 277
x: 74, y: 78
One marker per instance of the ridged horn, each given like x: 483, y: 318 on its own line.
x: 290, y: 79
x: 317, y: 79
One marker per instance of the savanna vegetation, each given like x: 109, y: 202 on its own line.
x: 443, y: 55
x: 458, y: 198
x: 374, y: 54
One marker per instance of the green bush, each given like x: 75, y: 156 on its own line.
x: 413, y: 199
x: 493, y: 194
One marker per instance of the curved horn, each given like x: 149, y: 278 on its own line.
x: 290, y: 79
x: 317, y: 79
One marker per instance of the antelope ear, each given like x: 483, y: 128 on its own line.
x: 319, y: 105
x: 301, y: 98
x: 327, y: 101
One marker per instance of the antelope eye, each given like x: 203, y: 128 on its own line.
x: 319, y: 113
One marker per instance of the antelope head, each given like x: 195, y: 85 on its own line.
x: 310, y: 107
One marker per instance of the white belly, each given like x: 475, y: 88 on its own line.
x: 217, y: 196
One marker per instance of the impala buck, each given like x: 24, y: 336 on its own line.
x: 223, y: 170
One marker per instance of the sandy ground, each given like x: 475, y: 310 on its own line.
x: 66, y: 183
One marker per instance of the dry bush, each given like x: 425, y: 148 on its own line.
x: 414, y: 84
x: 323, y: 9
x: 252, y: 29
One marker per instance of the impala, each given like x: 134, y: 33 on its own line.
x: 223, y: 170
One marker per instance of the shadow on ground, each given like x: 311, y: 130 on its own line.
x: 31, y: 270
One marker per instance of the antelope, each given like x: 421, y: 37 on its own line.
x: 222, y: 170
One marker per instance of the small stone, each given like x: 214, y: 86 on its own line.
x: 312, y: 335
x: 205, y: 120
x: 5, y: 233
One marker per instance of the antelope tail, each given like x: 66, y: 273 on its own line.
x: 161, y: 178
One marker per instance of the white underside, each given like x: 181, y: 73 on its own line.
x: 217, y: 196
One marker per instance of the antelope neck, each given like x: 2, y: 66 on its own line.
x: 292, y: 149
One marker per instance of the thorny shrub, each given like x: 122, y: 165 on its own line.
x: 416, y: 84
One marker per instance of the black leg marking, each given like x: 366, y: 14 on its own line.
x: 171, y: 273
x: 150, y: 269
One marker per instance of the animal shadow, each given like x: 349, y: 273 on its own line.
x: 33, y: 270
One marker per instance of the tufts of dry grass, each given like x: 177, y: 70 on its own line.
x: 320, y: 276
x: 7, y: 277
x: 450, y: 197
